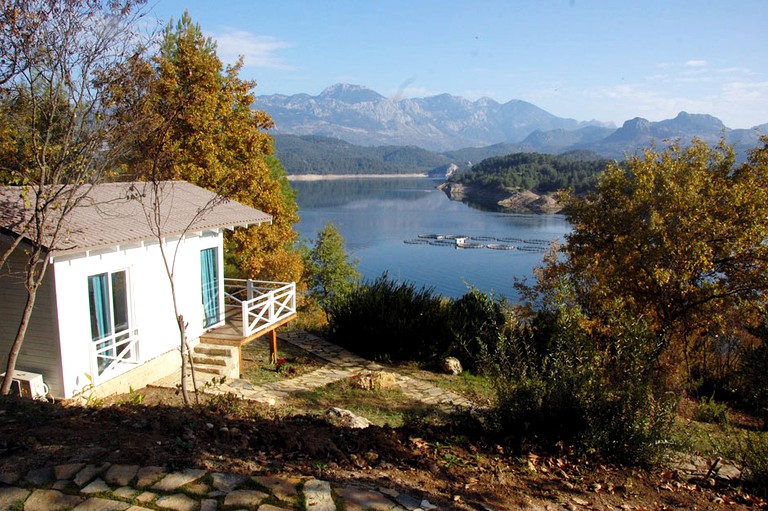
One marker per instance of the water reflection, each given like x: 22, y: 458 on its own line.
x: 376, y: 216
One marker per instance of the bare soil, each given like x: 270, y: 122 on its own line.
x: 455, y: 466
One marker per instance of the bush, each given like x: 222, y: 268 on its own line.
x: 387, y: 320
x: 752, y: 383
x: 480, y: 326
x: 709, y: 410
x: 559, y: 383
x: 755, y: 459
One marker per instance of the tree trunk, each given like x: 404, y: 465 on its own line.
x: 184, y: 355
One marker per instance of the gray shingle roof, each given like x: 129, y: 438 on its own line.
x: 116, y: 213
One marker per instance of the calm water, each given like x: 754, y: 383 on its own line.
x: 376, y: 216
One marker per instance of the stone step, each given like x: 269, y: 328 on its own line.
x: 209, y: 369
x: 213, y: 350
x: 210, y: 361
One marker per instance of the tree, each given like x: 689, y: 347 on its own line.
x: 676, y: 238
x: 331, y: 271
x: 200, y: 127
x: 58, y: 61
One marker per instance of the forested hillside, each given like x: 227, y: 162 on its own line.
x: 313, y: 154
x: 543, y: 173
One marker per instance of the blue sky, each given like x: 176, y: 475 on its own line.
x: 609, y: 60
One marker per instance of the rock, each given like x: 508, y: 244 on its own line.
x: 209, y: 505
x: 40, y: 477
x: 175, y: 480
x: 125, y: 492
x: 227, y: 482
x: 10, y: 496
x: 148, y: 475
x: 96, y: 486
x: 284, y: 488
x: 89, y: 473
x: 318, y: 497
x: 99, y: 504
x: 361, y: 499
x: 121, y: 475
x: 374, y: 380
x: 67, y: 471
x: 50, y: 500
x: 451, y: 365
x: 8, y: 478
x: 177, y: 502
x: 349, y: 419
x: 244, y: 499
x: 408, y: 502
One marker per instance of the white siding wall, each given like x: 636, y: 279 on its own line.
x: 40, y: 352
x: 151, y: 302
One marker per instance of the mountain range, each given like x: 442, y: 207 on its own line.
x: 454, y: 127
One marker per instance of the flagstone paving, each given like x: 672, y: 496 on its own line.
x: 341, y: 364
x: 107, y: 487
x: 190, y: 490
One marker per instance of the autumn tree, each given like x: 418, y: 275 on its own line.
x: 201, y: 127
x: 58, y: 59
x: 675, y: 238
x: 198, y: 126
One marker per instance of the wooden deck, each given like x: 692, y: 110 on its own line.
x: 231, y: 332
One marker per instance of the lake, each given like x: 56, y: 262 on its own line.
x: 377, y: 216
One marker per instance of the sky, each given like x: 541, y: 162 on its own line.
x: 609, y: 60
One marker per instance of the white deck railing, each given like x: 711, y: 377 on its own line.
x: 261, y: 303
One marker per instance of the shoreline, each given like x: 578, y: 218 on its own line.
x: 322, y: 177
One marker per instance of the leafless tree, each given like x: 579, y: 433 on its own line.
x: 59, y: 60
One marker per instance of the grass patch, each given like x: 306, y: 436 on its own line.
x: 295, y: 362
x: 385, y: 406
x: 478, y: 389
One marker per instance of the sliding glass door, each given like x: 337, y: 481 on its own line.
x: 209, y: 276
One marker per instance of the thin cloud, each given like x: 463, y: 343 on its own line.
x: 746, y: 91
x: 256, y: 50
x: 653, y: 104
x: 696, y: 63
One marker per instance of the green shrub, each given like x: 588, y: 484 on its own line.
x: 387, y: 320
x: 755, y: 459
x: 559, y: 383
x: 480, y: 326
x: 752, y: 382
x: 748, y: 450
x: 709, y: 410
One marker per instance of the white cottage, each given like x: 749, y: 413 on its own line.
x: 104, y: 314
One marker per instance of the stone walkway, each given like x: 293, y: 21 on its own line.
x: 106, y: 487
x: 341, y: 364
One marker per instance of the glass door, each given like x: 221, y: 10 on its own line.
x: 209, y: 277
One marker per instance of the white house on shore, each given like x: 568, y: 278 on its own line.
x: 104, y: 314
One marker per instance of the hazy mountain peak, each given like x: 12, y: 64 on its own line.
x: 693, y: 122
x: 348, y: 93
x: 444, y: 122
x: 637, y: 124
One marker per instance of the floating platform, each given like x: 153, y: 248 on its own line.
x: 463, y: 241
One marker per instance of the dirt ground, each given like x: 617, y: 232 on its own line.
x: 453, y: 467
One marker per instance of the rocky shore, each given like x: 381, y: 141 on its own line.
x: 498, y: 198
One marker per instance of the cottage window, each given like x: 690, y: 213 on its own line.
x: 110, y: 319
